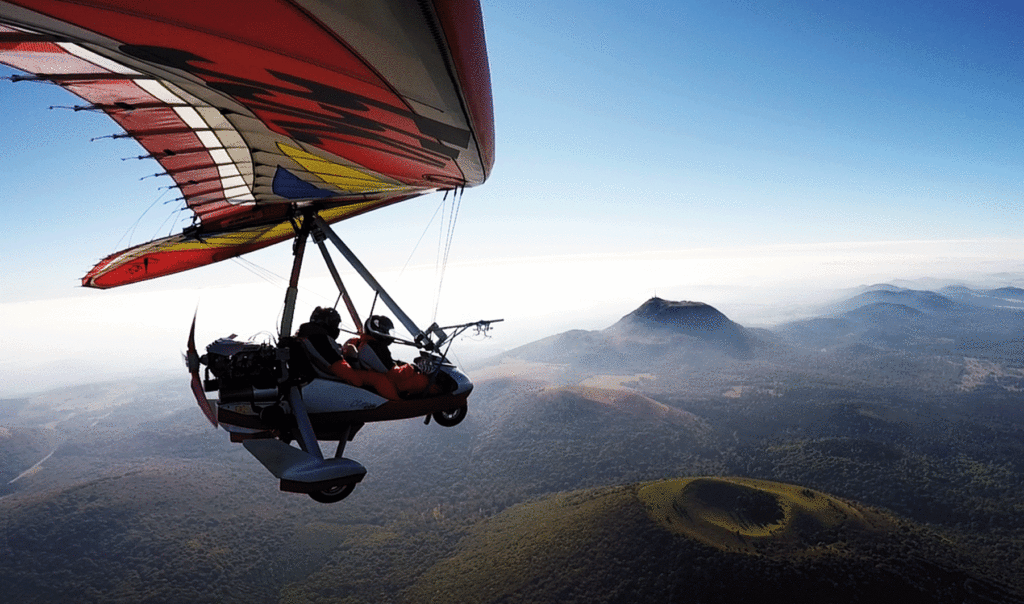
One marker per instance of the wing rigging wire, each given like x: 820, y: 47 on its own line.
x: 276, y: 281
x: 178, y: 217
x: 453, y: 216
x: 263, y: 273
x: 422, y: 235
x: 131, y: 230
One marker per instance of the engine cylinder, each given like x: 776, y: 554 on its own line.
x: 244, y: 393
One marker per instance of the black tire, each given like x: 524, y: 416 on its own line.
x: 333, y: 494
x: 450, y: 418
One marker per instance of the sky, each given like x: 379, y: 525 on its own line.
x: 751, y: 155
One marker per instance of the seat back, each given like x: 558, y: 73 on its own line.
x: 305, y: 362
x: 368, y: 359
x: 317, y: 360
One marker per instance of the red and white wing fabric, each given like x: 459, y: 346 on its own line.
x: 258, y: 108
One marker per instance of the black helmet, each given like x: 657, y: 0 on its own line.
x: 328, y: 318
x: 380, y: 326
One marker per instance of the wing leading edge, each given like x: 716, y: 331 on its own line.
x: 256, y: 108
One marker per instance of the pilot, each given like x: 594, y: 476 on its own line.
x: 321, y: 331
x: 372, y: 352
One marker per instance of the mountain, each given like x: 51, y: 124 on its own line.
x: 690, y: 322
x: 693, y: 318
x: 1003, y: 297
x: 876, y: 324
x: 958, y: 320
x: 1007, y: 293
x: 921, y: 300
x: 884, y: 312
x: 659, y: 336
x: 703, y: 540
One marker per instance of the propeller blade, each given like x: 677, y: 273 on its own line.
x: 192, y: 359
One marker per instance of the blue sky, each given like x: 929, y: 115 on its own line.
x: 693, y: 150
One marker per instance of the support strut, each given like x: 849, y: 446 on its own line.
x: 419, y: 335
x: 293, y: 284
x: 306, y: 436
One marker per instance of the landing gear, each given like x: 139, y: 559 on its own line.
x: 450, y: 418
x: 333, y: 494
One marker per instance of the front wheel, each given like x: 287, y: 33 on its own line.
x: 452, y: 417
x: 333, y: 494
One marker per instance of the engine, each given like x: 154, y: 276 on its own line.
x: 243, y: 371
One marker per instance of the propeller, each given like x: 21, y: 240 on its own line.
x: 192, y: 361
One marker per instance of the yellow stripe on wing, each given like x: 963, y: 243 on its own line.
x: 348, y: 179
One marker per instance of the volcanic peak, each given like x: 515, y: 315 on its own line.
x: 683, y: 315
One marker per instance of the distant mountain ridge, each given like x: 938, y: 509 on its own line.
x: 957, y: 320
x: 922, y: 300
x: 692, y: 343
x: 884, y: 311
x: 1010, y: 292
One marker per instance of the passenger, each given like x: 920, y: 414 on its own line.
x: 321, y: 332
x: 373, y: 352
x: 370, y: 350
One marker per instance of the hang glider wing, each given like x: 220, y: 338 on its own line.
x: 258, y: 107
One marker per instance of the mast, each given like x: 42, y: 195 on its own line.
x: 292, y: 293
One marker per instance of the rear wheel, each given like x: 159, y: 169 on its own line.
x: 450, y: 418
x: 333, y: 494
